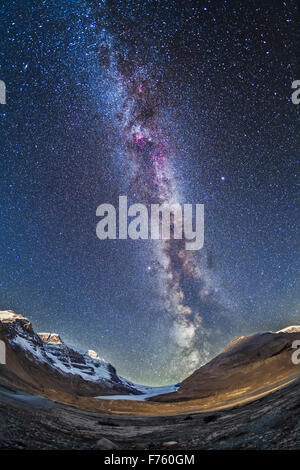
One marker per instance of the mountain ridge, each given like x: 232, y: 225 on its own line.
x: 41, y: 361
x: 247, y: 365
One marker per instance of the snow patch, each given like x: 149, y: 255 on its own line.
x: 147, y: 392
x: 28, y: 346
x: 93, y: 375
x: 95, y: 370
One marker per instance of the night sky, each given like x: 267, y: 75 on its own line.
x: 156, y: 100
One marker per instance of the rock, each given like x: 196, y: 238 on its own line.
x: 41, y: 362
x: 106, y: 444
x: 94, y: 355
x: 171, y: 444
x: 140, y: 446
x: 50, y: 338
x: 8, y: 316
x: 151, y: 445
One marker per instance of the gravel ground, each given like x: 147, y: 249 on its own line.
x: 271, y: 422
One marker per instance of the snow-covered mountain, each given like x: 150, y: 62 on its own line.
x: 40, y: 362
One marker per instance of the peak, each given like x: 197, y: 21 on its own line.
x: 234, y: 342
x: 94, y: 355
x: 290, y: 329
x: 8, y: 316
x: 50, y: 338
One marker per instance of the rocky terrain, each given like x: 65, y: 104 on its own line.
x: 271, y: 422
x: 54, y: 397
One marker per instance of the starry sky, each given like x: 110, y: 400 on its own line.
x: 157, y: 100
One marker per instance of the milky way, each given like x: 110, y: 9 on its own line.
x: 148, y: 148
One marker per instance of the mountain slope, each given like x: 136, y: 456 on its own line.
x: 42, y: 362
x: 247, y: 365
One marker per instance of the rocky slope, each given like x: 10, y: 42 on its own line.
x: 248, y: 365
x: 42, y: 363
